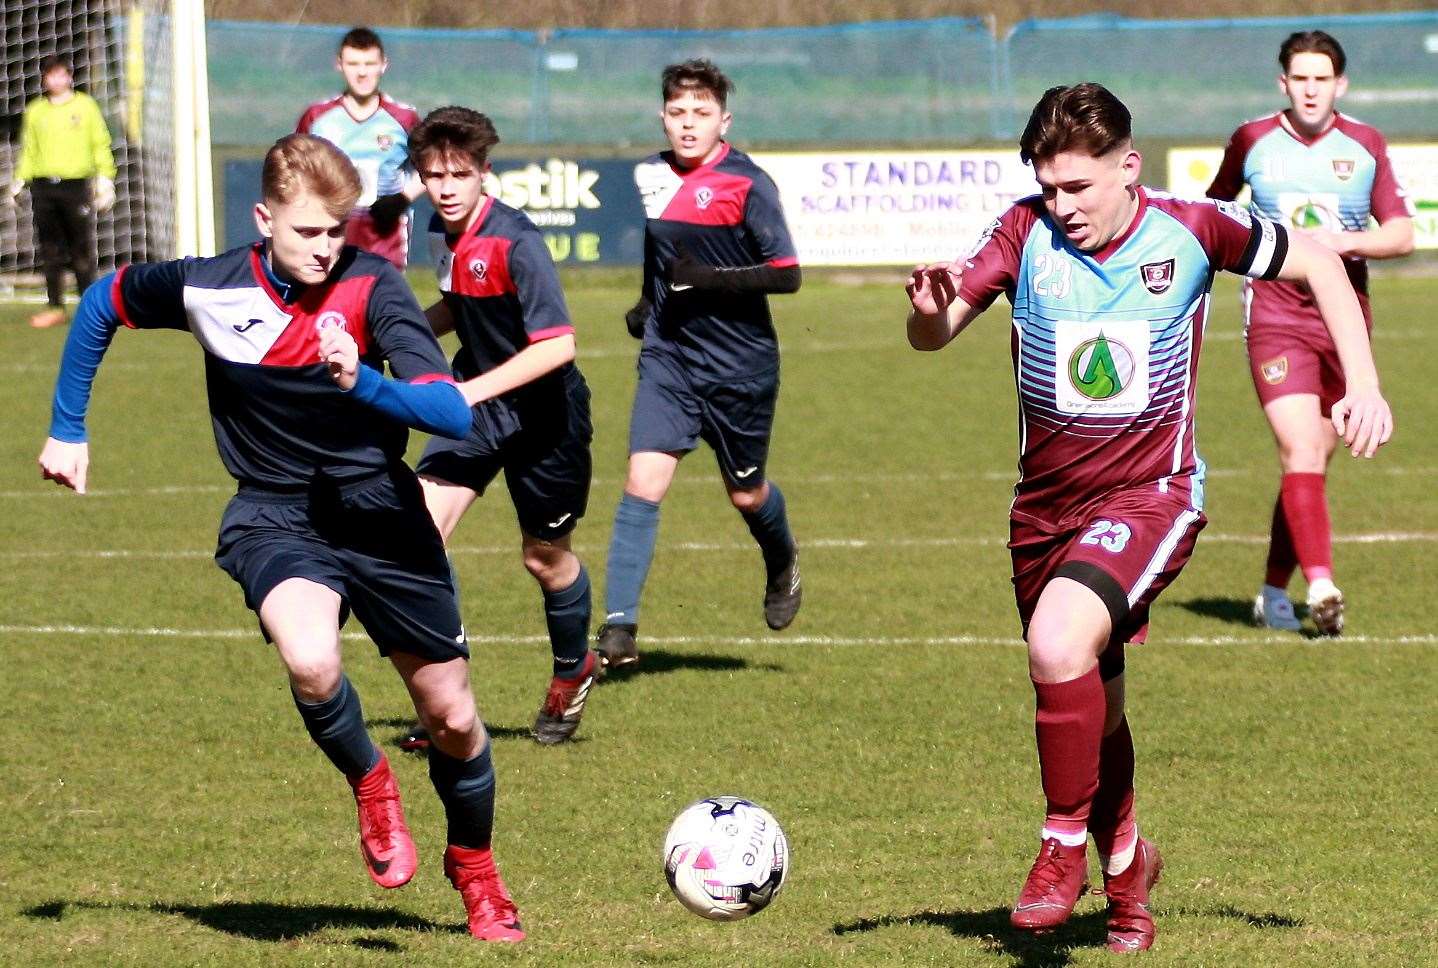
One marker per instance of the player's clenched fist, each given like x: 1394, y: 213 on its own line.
x: 339, y: 349
x: 1363, y: 420
x: 64, y: 463
x: 932, y: 288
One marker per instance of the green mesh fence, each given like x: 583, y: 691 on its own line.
x: 1199, y: 79
x: 923, y: 83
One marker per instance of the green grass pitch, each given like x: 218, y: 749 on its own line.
x: 163, y: 806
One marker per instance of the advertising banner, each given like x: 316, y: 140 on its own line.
x: 587, y: 210
x: 893, y: 208
x: 1190, y: 170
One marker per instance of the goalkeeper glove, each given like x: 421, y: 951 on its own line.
x: 102, y: 193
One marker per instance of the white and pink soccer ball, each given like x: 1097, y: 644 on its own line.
x: 725, y: 858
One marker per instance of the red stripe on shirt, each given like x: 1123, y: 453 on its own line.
x: 117, y: 299
x: 432, y: 378
x: 787, y: 262
x: 540, y: 335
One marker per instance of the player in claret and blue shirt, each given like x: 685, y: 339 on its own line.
x: 500, y: 293
x: 327, y: 519
x: 715, y: 246
x: 373, y: 130
x: 1324, y: 175
x: 1109, y: 283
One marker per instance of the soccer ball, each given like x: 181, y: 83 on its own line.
x: 725, y: 858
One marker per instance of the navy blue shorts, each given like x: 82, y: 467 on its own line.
x: 672, y: 414
x: 543, y: 451
x: 372, y: 542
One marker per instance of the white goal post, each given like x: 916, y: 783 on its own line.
x: 144, y: 61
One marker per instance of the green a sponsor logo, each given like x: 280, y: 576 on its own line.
x: 1101, y: 368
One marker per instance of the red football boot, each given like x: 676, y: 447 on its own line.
x: 1130, y: 925
x: 1053, y: 887
x: 492, y: 915
x: 385, y: 843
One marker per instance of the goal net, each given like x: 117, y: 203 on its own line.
x: 144, y: 62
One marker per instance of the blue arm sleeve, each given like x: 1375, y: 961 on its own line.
x: 90, y: 334
x: 435, y: 408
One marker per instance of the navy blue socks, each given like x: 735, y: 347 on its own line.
x: 631, y: 549
x: 337, y: 727
x: 466, y: 788
x: 566, y: 612
x: 770, y: 527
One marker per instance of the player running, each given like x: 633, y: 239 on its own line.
x: 500, y: 292
x: 715, y: 246
x: 373, y: 130
x: 1324, y: 175
x: 327, y: 518
x: 1109, y: 283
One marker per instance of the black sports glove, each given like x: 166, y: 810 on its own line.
x: 386, y: 212
x: 638, y: 317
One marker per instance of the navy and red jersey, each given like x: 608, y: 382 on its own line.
x: 501, y: 288
x: 1335, y: 181
x: 279, y: 419
x: 1106, y: 344
x: 726, y: 214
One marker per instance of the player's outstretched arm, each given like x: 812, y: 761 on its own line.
x: 1362, y: 418
x: 435, y: 408
x: 524, y: 367
x: 65, y: 458
x: 937, y: 313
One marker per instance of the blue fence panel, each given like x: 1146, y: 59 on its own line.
x: 1200, y: 78
x: 910, y: 82
x: 262, y: 75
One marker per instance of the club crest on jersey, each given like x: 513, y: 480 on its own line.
x: 385, y: 142
x: 1343, y: 168
x: 1274, y: 371
x: 479, y: 269
x: 329, y: 320
x: 1157, y: 276
x: 703, y: 196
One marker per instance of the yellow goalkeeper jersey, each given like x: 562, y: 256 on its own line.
x: 66, y: 140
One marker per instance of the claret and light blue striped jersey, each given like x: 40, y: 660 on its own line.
x: 1336, y: 181
x: 1106, y: 344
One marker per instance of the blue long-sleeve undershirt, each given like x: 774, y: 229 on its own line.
x: 435, y: 408
x: 90, y: 335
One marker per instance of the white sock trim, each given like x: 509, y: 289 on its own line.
x: 1067, y: 839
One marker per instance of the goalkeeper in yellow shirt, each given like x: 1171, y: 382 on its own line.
x: 66, y: 162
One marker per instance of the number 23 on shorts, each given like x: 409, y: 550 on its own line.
x: 1111, y: 536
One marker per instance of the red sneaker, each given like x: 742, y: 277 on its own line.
x: 1053, y: 887
x: 1130, y: 925
x: 385, y: 843
x: 492, y: 915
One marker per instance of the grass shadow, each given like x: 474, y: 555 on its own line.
x: 653, y: 662
x: 1051, y: 950
x: 266, y: 921
x: 1234, y: 611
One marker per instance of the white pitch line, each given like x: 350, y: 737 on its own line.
x: 45, y: 489
x: 1389, y: 537
x: 112, y: 631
